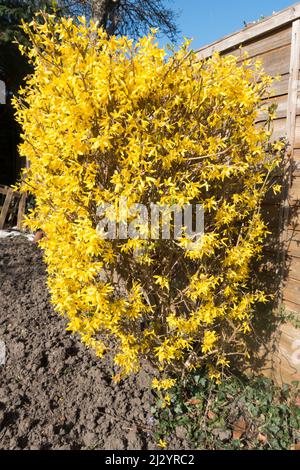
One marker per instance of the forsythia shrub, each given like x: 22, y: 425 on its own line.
x: 106, y: 118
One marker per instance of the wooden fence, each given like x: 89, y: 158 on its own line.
x: 276, y: 41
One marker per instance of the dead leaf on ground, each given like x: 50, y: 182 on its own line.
x: 296, y: 446
x: 194, y: 401
x: 211, y: 415
x: 297, y: 401
x: 262, y: 438
x: 239, y: 428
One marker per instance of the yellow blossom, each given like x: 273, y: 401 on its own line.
x: 106, y: 118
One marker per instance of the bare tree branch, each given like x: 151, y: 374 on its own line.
x: 127, y: 17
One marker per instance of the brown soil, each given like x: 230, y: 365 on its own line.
x: 54, y: 393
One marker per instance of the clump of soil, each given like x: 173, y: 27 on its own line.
x: 54, y: 393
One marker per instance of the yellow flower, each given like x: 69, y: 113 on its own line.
x: 162, y: 282
x: 214, y: 374
x: 209, y: 341
x: 162, y: 444
x: 164, y: 384
x: 166, y: 401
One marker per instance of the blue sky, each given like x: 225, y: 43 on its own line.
x: 209, y: 20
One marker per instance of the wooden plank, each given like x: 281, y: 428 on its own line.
x: 294, y: 246
x: 296, y: 165
x: 277, y: 62
x: 281, y: 111
x: 21, y: 211
x: 272, y: 243
x: 297, y: 133
x: 294, y: 193
x: 261, y: 28
x: 291, y: 291
x: 294, y: 218
x: 275, y: 199
x: 271, y: 215
x: 293, y: 243
x: 279, y: 130
x: 3, y: 189
x: 294, y: 270
x: 269, y: 43
x: 5, y: 208
x: 293, y: 83
x: 279, y: 87
x: 284, y: 360
x: 291, y: 307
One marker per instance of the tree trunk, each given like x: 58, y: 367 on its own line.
x: 103, y: 11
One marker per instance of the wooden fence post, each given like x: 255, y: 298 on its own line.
x: 291, y: 136
x: 5, y: 208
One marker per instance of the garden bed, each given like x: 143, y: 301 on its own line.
x: 54, y: 393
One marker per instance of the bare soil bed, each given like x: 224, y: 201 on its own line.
x: 54, y: 393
